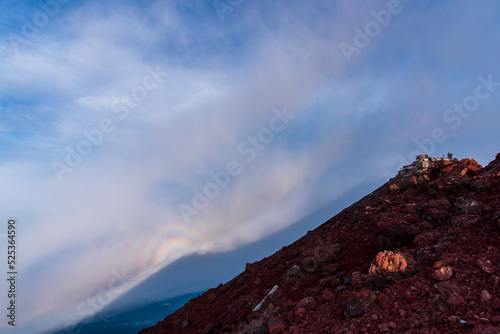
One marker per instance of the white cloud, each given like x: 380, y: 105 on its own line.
x: 119, y: 208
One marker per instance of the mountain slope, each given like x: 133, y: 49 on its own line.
x: 183, y: 275
x: 419, y: 254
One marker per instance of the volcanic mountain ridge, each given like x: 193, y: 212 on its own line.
x: 418, y: 255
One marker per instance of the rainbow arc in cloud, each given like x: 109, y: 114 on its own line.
x: 166, y: 244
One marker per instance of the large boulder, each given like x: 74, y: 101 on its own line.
x: 358, y: 303
x: 392, y: 265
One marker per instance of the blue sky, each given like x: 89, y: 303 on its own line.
x: 116, y: 114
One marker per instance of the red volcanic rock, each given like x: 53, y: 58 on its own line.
x: 315, y: 258
x: 444, y: 262
x: 294, y: 270
x: 484, y: 329
x: 309, y: 264
x: 393, y: 265
x: 358, y: 303
x: 456, y: 300
x: 276, y: 326
x: 438, y: 210
x: 327, y: 295
x: 211, y: 297
x: 493, y: 167
x: 356, y: 273
x: 486, y: 266
x: 443, y: 273
x: 358, y: 280
x: 394, y: 228
x: 308, y: 303
x: 485, y: 296
x: 427, y: 238
x: 299, y: 312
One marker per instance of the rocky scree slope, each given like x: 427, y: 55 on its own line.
x: 419, y: 255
